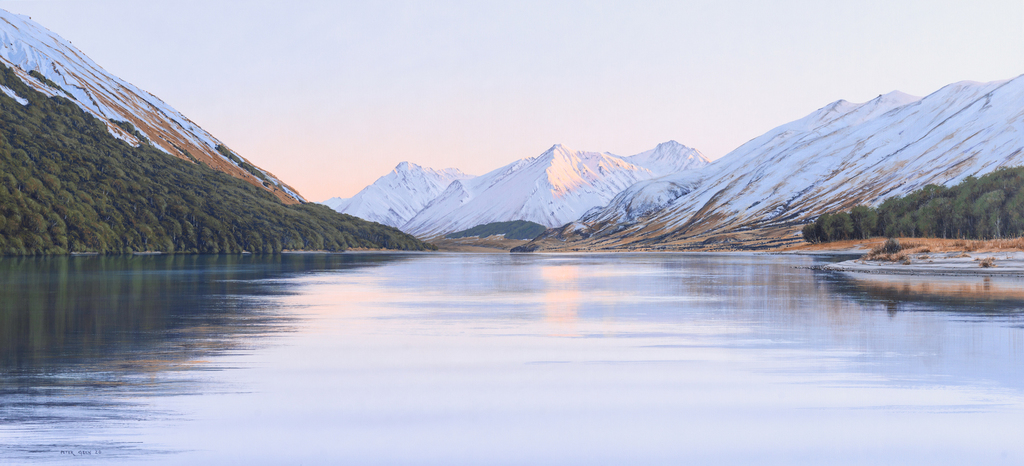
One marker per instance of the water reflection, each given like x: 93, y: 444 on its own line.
x: 461, y: 359
x: 86, y: 339
x: 996, y: 295
x: 939, y: 329
x: 741, y: 301
x: 562, y: 297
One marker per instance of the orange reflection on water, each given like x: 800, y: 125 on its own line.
x: 562, y: 299
x: 968, y: 288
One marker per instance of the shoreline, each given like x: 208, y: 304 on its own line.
x: 1006, y: 263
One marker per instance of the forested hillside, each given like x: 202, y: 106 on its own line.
x: 67, y: 185
x: 987, y: 207
x: 516, y: 229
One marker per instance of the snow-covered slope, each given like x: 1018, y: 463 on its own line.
x: 839, y: 156
x: 25, y: 46
x: 669, y: 157
x: 551, y: 189
x: 645, y: 197
x: 335, y: 202
x: 396, y: 197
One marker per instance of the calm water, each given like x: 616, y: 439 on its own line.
x: 502, y: 359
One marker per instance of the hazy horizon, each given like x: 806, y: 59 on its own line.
x: 331, y: 95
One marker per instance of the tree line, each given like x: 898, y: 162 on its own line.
x: 516, y: 229
x: 67, y: 185
x: 986, y: 207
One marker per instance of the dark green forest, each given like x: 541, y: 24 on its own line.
x: 986, y: 207
x: 516, y: 229
x: 67, y: 185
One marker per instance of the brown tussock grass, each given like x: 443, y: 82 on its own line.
x: 921, y: 245
x: 882, y: 250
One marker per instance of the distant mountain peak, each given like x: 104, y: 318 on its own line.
x: 394, y: 198
x: 552, y: 188
x: 558, y: 150
x: 670, y: 157
x: 669, y: 144
x: 899, y: 96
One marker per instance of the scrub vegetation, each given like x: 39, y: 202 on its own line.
x: 43, y: 79
x: 241, y: 163
x: 130, y: 129
x: 67, y: 185
x: 516, y: 229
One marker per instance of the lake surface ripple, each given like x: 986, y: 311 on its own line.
x: 504, y: 359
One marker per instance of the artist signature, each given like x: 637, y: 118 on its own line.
x: 81, y: 452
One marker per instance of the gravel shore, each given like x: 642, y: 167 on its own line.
x: 955, y: 263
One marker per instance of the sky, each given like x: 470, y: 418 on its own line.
x: 330, y: 95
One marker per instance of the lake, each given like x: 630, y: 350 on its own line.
x: 504, y: 359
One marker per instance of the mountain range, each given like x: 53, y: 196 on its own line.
x: 90, y: 162
x: 839, y: 156
x: 398, y: 196
x: 551, y: 189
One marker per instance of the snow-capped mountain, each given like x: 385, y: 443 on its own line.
x: 27, y: 47
x: 837, y: 157
x: 669, y: 157
x: 396, y: 197
x: 551, y: 189
x: 335, y: 202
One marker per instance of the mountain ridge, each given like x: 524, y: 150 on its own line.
x: 838, y: 156
x: 73, y: 180
x: 556, y: 185
x: 395, y: 198
x: 552, y: 188
x: 53, y: 66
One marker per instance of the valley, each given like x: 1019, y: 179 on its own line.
x: 569, y: 233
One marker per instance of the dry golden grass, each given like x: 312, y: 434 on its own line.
x: 882, y: 250
x: 476, y: 244
x: 892, y: 250
x: 835, y: 245
x: 920, y: 245
x: 1003, y: 244
x: 877, y: 255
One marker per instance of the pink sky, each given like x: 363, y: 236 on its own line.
x: 330, y: 95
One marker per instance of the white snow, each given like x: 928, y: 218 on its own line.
x: 645, y: 197
x: 29, y: 46
x: 26, y: 46
x: 838, y: 156
x: 669, y: 157
x: 552, y: 189
x: 396, y: 197
x: 17, y: 98
x: 335, y: 202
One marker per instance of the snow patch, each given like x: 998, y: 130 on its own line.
x: 17, y: 98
